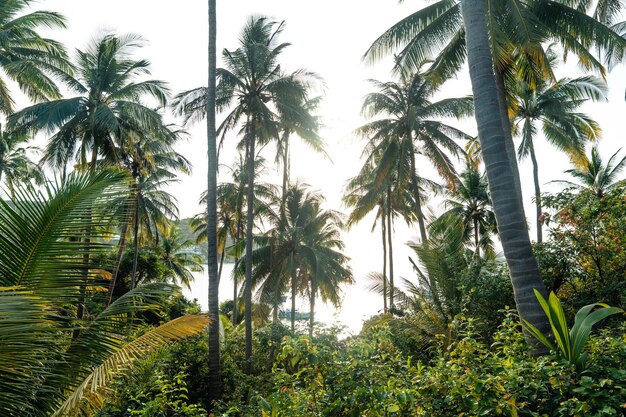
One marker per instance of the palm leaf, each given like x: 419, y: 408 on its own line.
x: 92, y: 391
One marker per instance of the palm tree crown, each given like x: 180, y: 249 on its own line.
x: 407, y: 129
x: 595, y: 175
x: 107, y: 107
x: 555, y: 106
x: 26, y: 57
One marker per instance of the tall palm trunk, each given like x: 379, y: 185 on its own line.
x: 80, y: 308
x: 238, y: 232
x: 133, y: 276
x: 418, y: 199
x: 221, y: 265
x: 508, y: 134
x: 312, y: 311
x: 249, y: 224
x: 293, y: 296
x: 476, y: 239
x: 121, y: 245
x: 507, y: 204
x: 283, y: 212
x: 215, y: 381
x: 383, y: 229
x: 389, y: 233
x: 538, y: 207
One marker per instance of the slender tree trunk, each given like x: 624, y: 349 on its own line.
x: 118, y: 261
x: 383, y: 229
x: 133, y: 276
x: 507, y: 205
x: 293, y: 296
x: 476, y: 239
x: 508, y: 134
x: 80, y: 308
x: 235, y: 299
x: 237, y: 239
x: 389, y: 235
x: 215, y: 380
x: 219, y: 271
x: 312, y: 312
x: 249, y: 225
x: 538, y: 207
x: 418, y: 199
x: 283, y: 212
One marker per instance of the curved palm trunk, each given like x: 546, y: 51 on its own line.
x: 221, y: 264
x: 312, y: 312
x: 538, y: 207
x: 249, y: 224
x: 293, y: 297
x: 389, y: 229
x: 118, y: 261
x: 418, y: 199
x: 507, y: 205
x: 383, y: 229
x: 215, y: 381
x: 508, y: 134
x: 476, y: 239
x: 133, y: 276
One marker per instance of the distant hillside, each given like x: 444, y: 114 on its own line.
x: 186, y: 232
x: 201, y: 249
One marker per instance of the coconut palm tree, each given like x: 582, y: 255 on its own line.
x: 215, y: 380
x: 15, y: 164
x: 407, y: 129
x: 507, y: 203
x: 145, y: 155
x: 595, y: 175
x: 469, y: 206
x: 108, y: 104
x: 363, y: 193
x: 46, y: 368
x: 554, y: 106
x: 305, y: 254
x: 455, y: 29
x: 253, y: 79
x: 231, y: 199
x: 176, y: 255
x: 26, y: 57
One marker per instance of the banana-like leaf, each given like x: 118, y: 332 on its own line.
x: 570, y: 342
x: 91, y: 393
x: 583, y: 323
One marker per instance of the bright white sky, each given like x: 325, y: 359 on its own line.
x: 329, y: 38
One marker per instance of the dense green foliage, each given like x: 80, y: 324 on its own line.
x: 88, y: 256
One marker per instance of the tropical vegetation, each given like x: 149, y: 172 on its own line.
x: 468, y: 317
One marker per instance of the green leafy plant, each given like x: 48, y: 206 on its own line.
x: 570, y: 342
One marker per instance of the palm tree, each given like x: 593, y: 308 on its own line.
x: 506, y: 200
x: 517, y: 27
x: 177, y: 256
x: 469, y: 205
x: 407, y: 129
x: 304, y: 254
x: 106, y: 108
x: 215, y: 380
x: 15, y: 165
x: 456, y: 29
x: 44, y: 368
x: 555, y: 107
x: 363, y: 194
x: 254, y: 81
x: 231, y: 198
x: 596, y: 176
x: 26, y: 57
x: 142, y: 155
